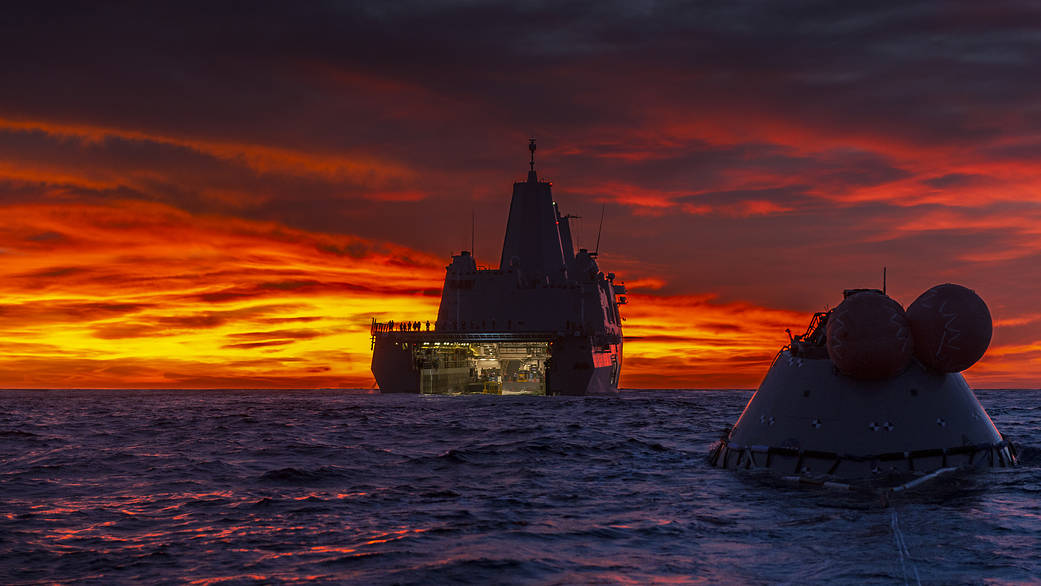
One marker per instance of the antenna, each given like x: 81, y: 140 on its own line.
x: 532, y: 177
x: 473, y: 230
x: 601, y: 229
x: 883, y: 280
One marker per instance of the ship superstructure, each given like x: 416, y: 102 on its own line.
x: 546, y: 321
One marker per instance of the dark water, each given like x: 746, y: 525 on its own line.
x: 242, y: 486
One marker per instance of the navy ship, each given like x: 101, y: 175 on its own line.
x: 544, y: 322
x: 873, y: 396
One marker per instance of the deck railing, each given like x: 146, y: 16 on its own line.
x: 400, y: 326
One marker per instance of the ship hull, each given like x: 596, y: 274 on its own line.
x: 507, y: 364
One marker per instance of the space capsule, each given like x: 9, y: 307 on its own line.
x: 872, y: 392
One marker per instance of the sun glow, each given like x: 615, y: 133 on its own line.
x: 142, y: 295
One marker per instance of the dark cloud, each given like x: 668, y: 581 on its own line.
x: 847, y: 63
x: 278, y: 289
x: 451, y: 89
x: 249, y: 345
x: 277, y: 335
x: 55, y: 311
x: 148, y: 324
x: 55, y: 272
x: 49, y: 236
x: 677, y: 339
x: 782, y: 196
x: 957, y: 180
x: 354, y: 250
x: 116, y: 331
x: 194, y: 322
x: 287, y: 320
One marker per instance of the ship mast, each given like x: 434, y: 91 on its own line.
x: 532, y: 177
x: 532, y: 244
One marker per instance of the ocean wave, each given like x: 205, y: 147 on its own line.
x: 303, y: 476
x: 265, y: 487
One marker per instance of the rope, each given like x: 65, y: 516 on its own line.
x: 901, y: 549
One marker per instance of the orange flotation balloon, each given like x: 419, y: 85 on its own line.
x: 951, y: 326
x: 869, y: 336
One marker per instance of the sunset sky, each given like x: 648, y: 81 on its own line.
x: 224, y: 195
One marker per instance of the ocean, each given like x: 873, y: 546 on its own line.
x: 242, y: 487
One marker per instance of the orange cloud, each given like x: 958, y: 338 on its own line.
x: 405, y: 195
x: 134, y: 294
x: 141, y: 295
x: 698, y: 342
x: 138, y: 294
x: 360, y: 167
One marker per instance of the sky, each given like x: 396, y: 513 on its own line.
x: 213, y: 195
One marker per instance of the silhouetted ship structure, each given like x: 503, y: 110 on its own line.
x: 545, y: 322
x: 872, y: 396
